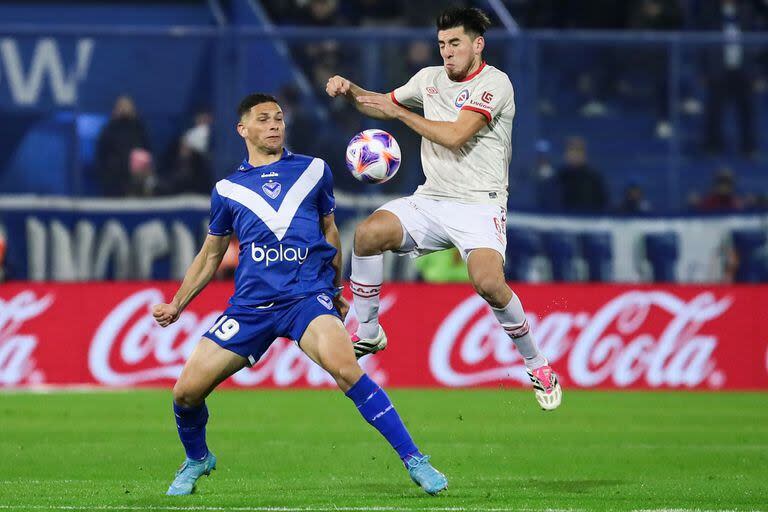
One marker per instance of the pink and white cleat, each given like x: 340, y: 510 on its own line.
x: 364, y: 346
x: 546, y: 387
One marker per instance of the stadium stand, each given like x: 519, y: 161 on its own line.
x: 636, y: 96
x: 750, y: 247
x: 662, y: 252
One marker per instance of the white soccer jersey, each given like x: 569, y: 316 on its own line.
x: 478, y: 171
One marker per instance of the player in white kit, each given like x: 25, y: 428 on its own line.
x: 465, y: 153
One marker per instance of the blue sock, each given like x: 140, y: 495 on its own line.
x: 374, y: 405
x: 190, y: 422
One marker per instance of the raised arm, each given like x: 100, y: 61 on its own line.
x: 340, y: 86
x: 331, y: 233
x: 451, y: 134
x: 198, y: 275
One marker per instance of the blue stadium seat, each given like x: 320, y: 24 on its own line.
x: 661, y: 250
x: 522, y: 246
x: 89, y: 128
x: 597, y: 249
x: 561, y: 249
x: 753, y: 263
x: 42, y: 162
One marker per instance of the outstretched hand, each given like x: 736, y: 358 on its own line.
x: 165, y: 314
x: 381, y: 103
x: 337, y: 85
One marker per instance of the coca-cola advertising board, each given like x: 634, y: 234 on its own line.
x: 595, y: 336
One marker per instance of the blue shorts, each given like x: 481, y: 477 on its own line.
x: 250, y: 330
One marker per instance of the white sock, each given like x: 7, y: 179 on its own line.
x: 512, y: 319
x: 367, y: 276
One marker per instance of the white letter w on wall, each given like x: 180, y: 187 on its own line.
x: 46, y: 60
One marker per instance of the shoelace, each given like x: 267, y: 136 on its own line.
x: 187, y: 463
x: 546, y: 381
x: 182, y: 467
x: 415, y: 462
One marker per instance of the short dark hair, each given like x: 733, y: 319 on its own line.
x: 474, y: 21
x: 252, y: 100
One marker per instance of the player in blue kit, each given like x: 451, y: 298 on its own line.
x: 287, y: 284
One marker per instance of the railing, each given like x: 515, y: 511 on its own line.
x: 640, y: 78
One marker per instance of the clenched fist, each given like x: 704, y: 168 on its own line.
x: 165, y: 314
x: 337, y: 85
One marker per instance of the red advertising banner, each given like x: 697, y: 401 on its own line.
x: 603, y: 336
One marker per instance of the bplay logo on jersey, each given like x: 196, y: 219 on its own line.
x: 278, y: 254
x: 462, y: 98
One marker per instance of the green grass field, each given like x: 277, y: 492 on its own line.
x: 309, y: 450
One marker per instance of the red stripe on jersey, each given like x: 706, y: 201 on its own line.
x: 473, y: 75
x: 394, y: 100
x: 479, y: 111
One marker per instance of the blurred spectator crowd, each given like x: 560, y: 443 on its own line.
x: 554, y: 14
x: 567, y: 175
x: 126, y: 167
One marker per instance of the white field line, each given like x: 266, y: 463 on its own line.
x: 195, y: 508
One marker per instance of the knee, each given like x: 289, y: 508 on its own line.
x: 374, y: 236
x: 489, y: 287
x: 186, y: 396
x: 368, y: 238
x: 346, y: 375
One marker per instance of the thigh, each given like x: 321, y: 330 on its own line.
x: 422, y: 231
x: 327, y: 343
x: 207, y: 367
x: 381, y: 231
x: 316, y: 326
x: 486, y: 271
x: 484, y: 264
x: 476, y: 226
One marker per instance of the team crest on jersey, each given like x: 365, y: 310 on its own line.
x: 462, y: 98
x: 272, y: 189
x: 325, y: 301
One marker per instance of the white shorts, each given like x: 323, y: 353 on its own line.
x: 431, y: 225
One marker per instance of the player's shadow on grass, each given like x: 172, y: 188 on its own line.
x: 573, y: 486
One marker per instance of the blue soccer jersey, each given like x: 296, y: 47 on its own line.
x: 275, y: 211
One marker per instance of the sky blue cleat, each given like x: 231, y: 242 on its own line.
x: 425, y: 476
x: 189, y: 472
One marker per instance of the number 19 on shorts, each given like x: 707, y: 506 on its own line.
x: 225, y: 328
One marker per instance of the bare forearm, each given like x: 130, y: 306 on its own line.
x: 198, y: 275
x: 354, y: 92
x: 439, y: 132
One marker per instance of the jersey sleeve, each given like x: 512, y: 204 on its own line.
x: 491, y: 97
x: 220, y: 223
x: 410, y: 94
x: 326, y: 200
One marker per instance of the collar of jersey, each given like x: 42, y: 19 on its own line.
x: 473, y: 75
x: 245, y: 166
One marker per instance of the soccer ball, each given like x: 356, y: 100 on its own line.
x: 373, y: 156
